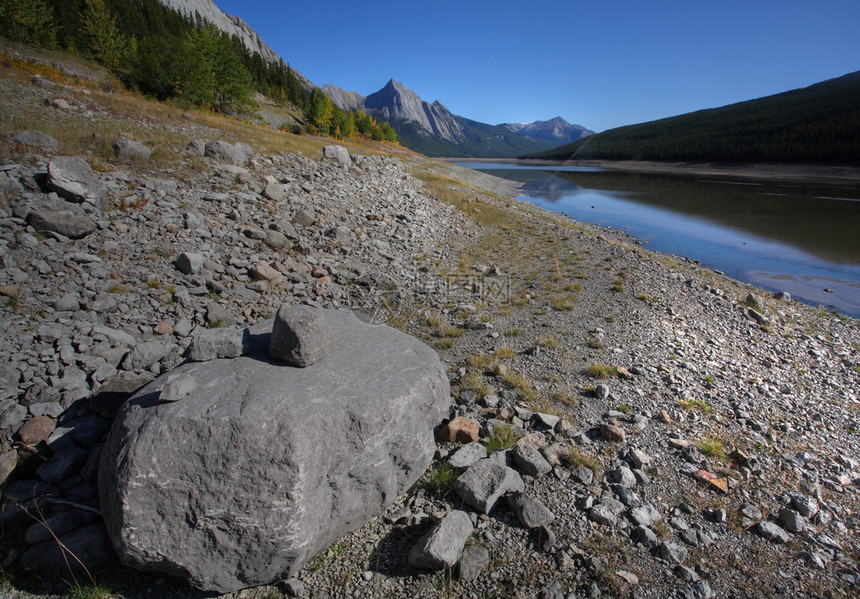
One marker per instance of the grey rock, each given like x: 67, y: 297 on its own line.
x: 221, y: 342
x: 59, y: 524
x: 218, y: 316
x: 82, y: 549
x: 36, y: 139
x: 623, y: 476
x: 791, y: 520
x: 300, y: 336
x: 602, y: 515
x: 601, y: 391
x: 62, y: 465
x: 644, y: 536
x: 644, y: 515
x: 553, y: 591
x: 672, y: 553
x: 481, y: 485
x: 225, y: 153
x: 73, y: 179
x: 128, y: 149
x: 474, y: 560
x: 531, y: 512
x: 543, y: 537
x: 529, y: 460
x: 177, y: 386
x: 442, y: 545
x: 23, y: 500
x: 239, y: 460
x: 338, y: 153
x: 144, y: 355
x: 294, y: 587
x: 276, y: 191
x: 12, y: 415
x: 468, y: 455
x: 64, y: 218
x: 805, y: 506
x: 189, y: 263
x: 197, y: 147
x: 276, y: 239
x: 67, y: 303
x: 638, y: 458
x: 771, y: 532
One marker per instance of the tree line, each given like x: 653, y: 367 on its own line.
x: 164, y: 54
x: 819, y: 123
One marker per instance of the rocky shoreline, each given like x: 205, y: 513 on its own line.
x: 674, y: 433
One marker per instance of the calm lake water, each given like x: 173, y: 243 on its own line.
x: 803, y: 239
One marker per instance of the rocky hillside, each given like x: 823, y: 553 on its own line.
x: 432, y: 129
x: 624, y: 423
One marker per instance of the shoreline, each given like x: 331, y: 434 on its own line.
x: 801, y: 173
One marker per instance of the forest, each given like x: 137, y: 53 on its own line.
x: 159, y: 52
x: 816, y: 124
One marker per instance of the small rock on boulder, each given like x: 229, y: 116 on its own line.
x: 300, y: 336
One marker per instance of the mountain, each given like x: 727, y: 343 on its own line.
x: 233, y: 26
x: 556, y: 130
x: 432, y: 129
x: 819, y: 123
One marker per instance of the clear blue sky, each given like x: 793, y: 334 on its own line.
x: 598, y: 63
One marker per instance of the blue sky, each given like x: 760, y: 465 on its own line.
x: 598, y: 63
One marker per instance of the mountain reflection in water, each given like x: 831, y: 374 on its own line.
x: 804, y: 239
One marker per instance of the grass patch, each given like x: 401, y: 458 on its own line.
x: 694, y: 403
x: 599, y: 370
x: 89, y: 591
x: 474, y: 382
x: 522, y: 384
x: 562, y: 304
x: 513, y: 333
x: 549, y: 342
x: 441, y: 478
x: 482, y: 361
x: 595, y: 343
x: 712, y: 447
x: 501, y: 438
x: 573, y: 457
x: 505, y: 353
x: 445, y: 343
x: 563, y: 397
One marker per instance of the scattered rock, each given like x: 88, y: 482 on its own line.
x: 73, y: 179
x: 442, y: 545
x: 36, y: 139
x: 484, y: 482
x: 131, y: 150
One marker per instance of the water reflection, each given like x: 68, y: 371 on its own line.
x: 799, y: 238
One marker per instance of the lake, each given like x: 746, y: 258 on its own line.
x: 799, y: 238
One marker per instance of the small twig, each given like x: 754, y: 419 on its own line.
x: 74, y: 504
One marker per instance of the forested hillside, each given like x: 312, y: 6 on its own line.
x: 161, y: 53
x: 819, y: 123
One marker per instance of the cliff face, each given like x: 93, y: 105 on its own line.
x: 555, y: 130
x: 232, y: 25
x: 396, y: 101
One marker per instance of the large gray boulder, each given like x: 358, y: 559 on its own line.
x: 128, y: 149
x: 62, y: 217
x: 338, y: 153
x: 225, y: 153
x: 73, y: 179
x: 262, y: 465
x: 36, y: 139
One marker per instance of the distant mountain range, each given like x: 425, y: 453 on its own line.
x: 434, y: 130
x: 819, y: 123
x: 428, y: 128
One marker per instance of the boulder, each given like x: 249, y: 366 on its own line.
x: 225, y: 153
x: 262, y: 465
x: 338, y: 153
x: 131, y: 150
x: 62, y: 217
x: 485, y: 481
x: 72, y: 178
x: 36, y: 139
x: 196, y: 147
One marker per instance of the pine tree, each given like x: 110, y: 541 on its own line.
x: 27, y: 21
x: 103, y: 38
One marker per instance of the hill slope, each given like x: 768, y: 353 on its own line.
x: 819, y: 123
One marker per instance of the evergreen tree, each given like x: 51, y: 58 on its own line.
x: 319, y: 112
x: 27, y: 21
x: 106, y: 43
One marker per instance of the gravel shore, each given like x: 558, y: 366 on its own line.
x: 700, y: 436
